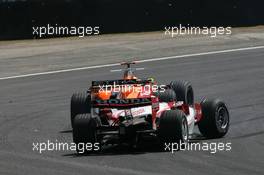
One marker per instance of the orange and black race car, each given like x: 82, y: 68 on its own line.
x: 124, y: 110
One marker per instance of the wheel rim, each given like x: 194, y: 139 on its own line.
x: 184, y: 131
x: 222, y: 117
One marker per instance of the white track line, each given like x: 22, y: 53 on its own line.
x: 140, y: 61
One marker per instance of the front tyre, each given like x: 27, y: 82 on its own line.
x: 80, y: 104
x: 183, y: 91
x: 167, y: 96
x: 215, y: 118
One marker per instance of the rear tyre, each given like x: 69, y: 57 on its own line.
x: 80, y: 104
x: 173, y: 128
x: 183, y: 91
x: 215, y: 120
x: 167, y: 96
x: 84, y: 132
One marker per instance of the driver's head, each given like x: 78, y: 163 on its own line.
x: 152, y: 80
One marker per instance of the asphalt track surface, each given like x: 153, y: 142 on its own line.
x: 37, y: 108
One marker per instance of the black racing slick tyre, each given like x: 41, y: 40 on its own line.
x: 215, y: 118
x: 84, y: 132
x: 183, y: 91
x: 167, y: 96
x: 173, y: 127
x: 80, y: 104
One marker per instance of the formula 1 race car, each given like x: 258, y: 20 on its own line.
x: 124, y: 110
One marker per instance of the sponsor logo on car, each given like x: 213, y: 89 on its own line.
x: 123, y: 101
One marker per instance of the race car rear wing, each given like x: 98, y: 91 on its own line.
x: 119, y: 82
x: 121, y: 103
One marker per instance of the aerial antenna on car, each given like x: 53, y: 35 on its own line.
x: 128, y: 67
x: 128, y: 64
x: 128, y: 71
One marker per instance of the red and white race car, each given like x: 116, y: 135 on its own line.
x: 124, y: 110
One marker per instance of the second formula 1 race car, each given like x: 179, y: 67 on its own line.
x: 125, y: 110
